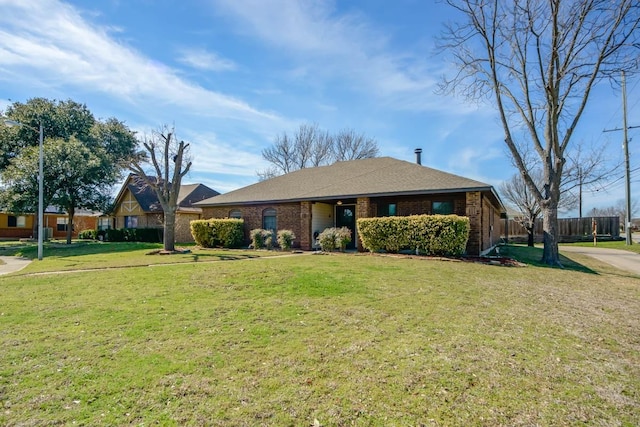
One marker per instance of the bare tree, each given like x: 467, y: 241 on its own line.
x: 538, y: 61
x: 169, y: 162
x: 619, y: 210
x: 517, y: 193
x: 350, y: 145
x: 311, y: 147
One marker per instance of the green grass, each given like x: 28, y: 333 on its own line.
x: 618, y: 244
x: 342, y: 339
x: 88, y: 255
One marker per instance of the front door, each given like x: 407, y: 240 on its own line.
x: 346, y: 217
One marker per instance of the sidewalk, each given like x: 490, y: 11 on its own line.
x: 12, y: 264
x: 624, y: 260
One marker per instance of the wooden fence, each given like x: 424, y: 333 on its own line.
x: 571, y: 229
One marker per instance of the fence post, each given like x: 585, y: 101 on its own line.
x: 594, y: 227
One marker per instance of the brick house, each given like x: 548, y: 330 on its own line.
x: 309, y: 200
x: 56, y: 222
x: 137, y: 206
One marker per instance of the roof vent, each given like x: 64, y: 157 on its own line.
x: 418, y: 152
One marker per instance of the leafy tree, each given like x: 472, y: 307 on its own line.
x: 538, y: 61
x: 161, y: 165
x: 310, y: 147
x: 82, y: 157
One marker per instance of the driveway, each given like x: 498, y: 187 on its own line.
x: 624, y: 260
x: 12, y: 264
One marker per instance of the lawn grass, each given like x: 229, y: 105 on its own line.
x: 341, y: 339
x: 617, y: 244
x: 89, y: 255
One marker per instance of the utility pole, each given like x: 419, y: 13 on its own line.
x: 627, y: 226
x: 625, y: 146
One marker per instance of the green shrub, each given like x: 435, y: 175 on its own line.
x: 211, y: 233
x: 285, y: 239
x: 334, y: 238
x: 430, y: 234
x: 88, y: 235
x: 261, y: 239
x: 150, y: 235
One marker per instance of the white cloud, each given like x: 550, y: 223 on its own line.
x: 341, y: 46
x: 53, y: 44
x: 203, y: 60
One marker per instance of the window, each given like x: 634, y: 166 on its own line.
x: 131, y: 222
x: 269, y: 219
x: 387, y: 209
x: 62, y: 223
x: 442, y: 208
x: 17, y: 221
x: 104, y: 223
x: 235, y: 214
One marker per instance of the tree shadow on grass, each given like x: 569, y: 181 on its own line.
x: 533, y: 256
x: 221, y: 257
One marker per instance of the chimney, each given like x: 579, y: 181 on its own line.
x: 418, y: 156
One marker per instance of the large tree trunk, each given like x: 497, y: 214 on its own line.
x: 169, y: 230
x: 70, y: 225
x: 550, y: 253
x: 530, y: 236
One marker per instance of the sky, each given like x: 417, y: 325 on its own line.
x: 231, y: 75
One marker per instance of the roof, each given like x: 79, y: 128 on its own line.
x: 148, y: 200
x: 380, y: 176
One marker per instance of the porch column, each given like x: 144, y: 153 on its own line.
x: 305, y: 226
x: 363, y: 210
x: 474, y: 213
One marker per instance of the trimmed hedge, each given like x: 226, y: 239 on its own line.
x: 261, y: 239
x: 88, y: 235
x: 211, y: 233
x: 285, y: 239
x: 334, y: 238
x: 149, y: 235
x: 430, y: 234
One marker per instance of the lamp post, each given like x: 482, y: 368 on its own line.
x: 40, y: 181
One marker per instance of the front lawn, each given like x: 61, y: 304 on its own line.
x: 320, y: 339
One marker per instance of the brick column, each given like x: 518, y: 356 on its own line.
x: 305, y: 226
x: 474, y: 213
x: 363, y: 210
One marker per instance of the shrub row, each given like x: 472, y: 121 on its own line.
x: 211, y: 233
x: 263, y: 239
x: 334, y: 238
x: 430, y: 234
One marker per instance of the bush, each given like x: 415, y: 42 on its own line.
x: 261, y: 239
x: 211, y: 233
x: 334, y: 238
x: 285, y: 239
x: 431, y: 234
x: 88, y: 235
x: 150, y: 235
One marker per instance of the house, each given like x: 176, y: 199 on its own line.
x: 56, y: 222
x: 309, y: 200
x: 137, y: 206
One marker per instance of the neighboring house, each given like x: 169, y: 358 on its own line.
x: 309, y: 200
x: 137, y: 206
x: 56, y: 222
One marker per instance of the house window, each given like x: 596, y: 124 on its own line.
x: 442, y: 208
x: 235, y: 214
x: 61, y: 224
x: 387, y: 209
x: 104, y: 223
x: 269, y: 219
x: 17, y: 221
x: 131, y: 221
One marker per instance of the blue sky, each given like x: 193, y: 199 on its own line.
x: 233, y: 74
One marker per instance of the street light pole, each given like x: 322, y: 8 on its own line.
x: 40, y: 181
x: 40, y: 192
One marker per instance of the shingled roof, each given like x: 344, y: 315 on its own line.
x: 148, y: 200
x: 375, y: 177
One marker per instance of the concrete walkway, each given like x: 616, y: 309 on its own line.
x: 12, y: 264
x: 624, y: 260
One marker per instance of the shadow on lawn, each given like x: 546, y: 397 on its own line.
x: 533, y: 256
x: 62, y: 250
x: 222, y: 257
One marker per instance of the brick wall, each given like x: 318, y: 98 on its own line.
x: 474, y: 213
x: 288, y: 217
